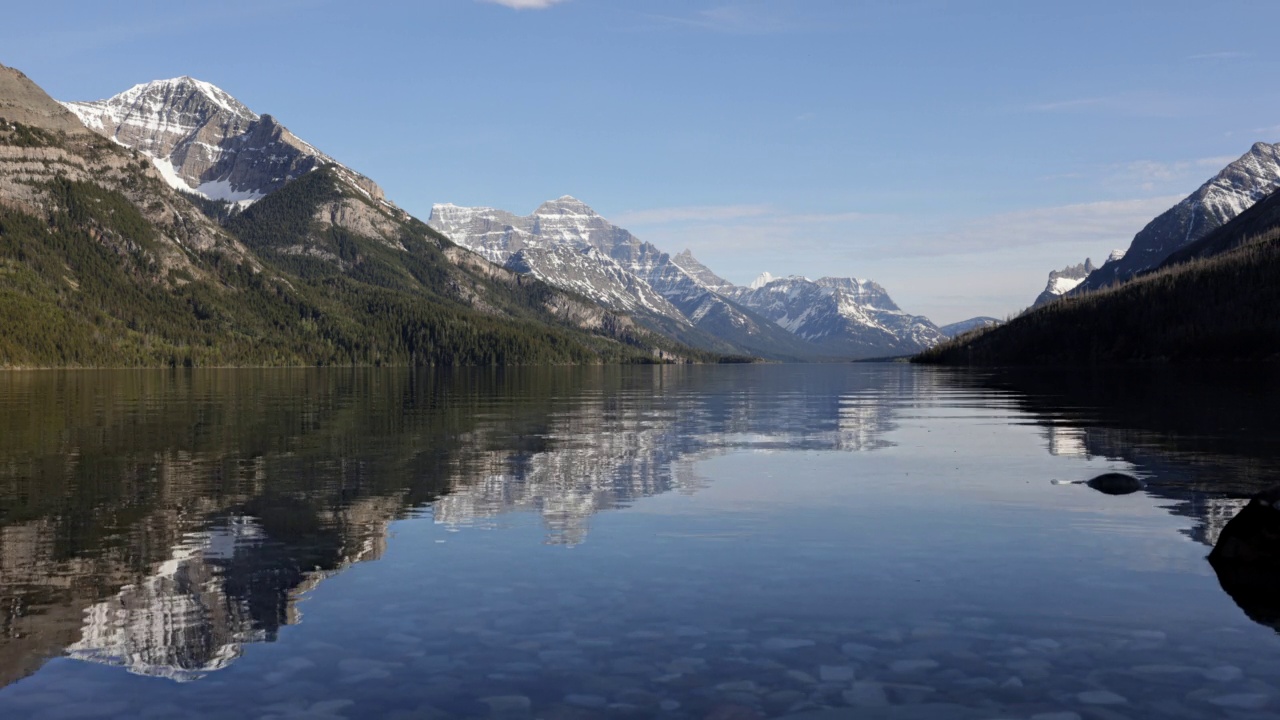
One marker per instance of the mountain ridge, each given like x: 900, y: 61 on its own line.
x: 1231, y: 191
x: 703, y: 299
x: 1213, y: 301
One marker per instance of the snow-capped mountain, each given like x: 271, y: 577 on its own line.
x: 787, y: 318
x: 567, y: 244
x: 205, y: 141
x: 1064, y: 281
x: 761, y: 280
x: 844, y: 316
x: 965, y: 326
x: 1233, y: 190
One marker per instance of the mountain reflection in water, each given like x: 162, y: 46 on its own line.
x: 160, y: 521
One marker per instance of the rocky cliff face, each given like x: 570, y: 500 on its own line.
x: 594, y: 275
x: 1233, y: 190
x: 203, y: 140
x: 1063, y: 281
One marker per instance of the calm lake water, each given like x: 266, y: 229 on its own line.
x: 859, y: 541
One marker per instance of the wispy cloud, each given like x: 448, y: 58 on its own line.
x: 691, y: 214
x: 1137, y: 104
x: 764, y: 237
x: 1162, y: 176
x: 743, y: 19
x: 948, y: 269
x: 1225, y: 55
x: 1060, y: 105
x: 1111, y: 222
x: 525, y: 4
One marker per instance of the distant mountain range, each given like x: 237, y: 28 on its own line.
x: 204, y: 141
x: 569, y: 245
x: 964, y: 326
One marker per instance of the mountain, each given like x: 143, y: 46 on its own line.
x: 1239, y: 185
x: 964, y: 326
x: 205, y: 141
x: 842, y: 316
x: 830, y: 318
x: 1214, y: 301
x: 1259, y: 224
x: 567, y: 244
x: 105, y: 264
x: 1063, y: 281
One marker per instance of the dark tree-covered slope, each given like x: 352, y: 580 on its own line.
x: 1222, y: 307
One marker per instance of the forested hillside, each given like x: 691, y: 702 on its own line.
x: 1220, y: 308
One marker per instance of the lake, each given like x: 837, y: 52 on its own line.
x: 720, y: 542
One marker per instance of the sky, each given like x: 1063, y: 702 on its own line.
x: 955, y: 152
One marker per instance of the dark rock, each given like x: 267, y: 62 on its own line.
x: 1116, y: 484
x: 1246, y: 558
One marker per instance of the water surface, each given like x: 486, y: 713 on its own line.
x: 862, y: 541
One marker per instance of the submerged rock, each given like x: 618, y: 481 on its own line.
x: 1116, y: 484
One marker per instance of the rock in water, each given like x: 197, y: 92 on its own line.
x: 1115, y: 484
x: 1247, y: 558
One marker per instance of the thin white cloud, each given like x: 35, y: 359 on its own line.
x: 988, y: 265
x: 752, y: 19
x: 1135, y: 104
x: 1112, y: 222
x: 1165, y: 176
x: 525, y: 4
x: 746, y: 242
x: 690, y: 214
x: 1073, y: 104
x: 1225, y: 55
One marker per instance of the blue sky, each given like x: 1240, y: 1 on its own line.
x: 953, y: 151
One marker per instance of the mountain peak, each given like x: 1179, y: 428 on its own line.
x: 565, y: 205
x: 761, y: 280
x: 203, y: 140
x: 168, y: 89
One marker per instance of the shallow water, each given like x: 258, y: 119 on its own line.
x: 858, y: 541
